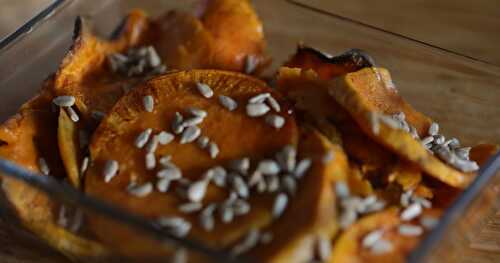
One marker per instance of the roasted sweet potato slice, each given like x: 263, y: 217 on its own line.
x: 327, y: 66
x: 482, y: 152
x: 312, y: 211
x: 349, y: 248
x: 26, y: 138
x: 368, y: 93
x: 67, y: 139
x: 236, y: 134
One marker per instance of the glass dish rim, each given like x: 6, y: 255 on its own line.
x: 485, y: 174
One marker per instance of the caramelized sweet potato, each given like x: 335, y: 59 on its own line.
x: 482, y: 152
x: 26, y: 138
x: 370, y: 92
x: 67, y: 141
x: 236, y: 134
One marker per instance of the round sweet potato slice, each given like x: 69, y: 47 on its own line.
x: 236, y: 134
x: 368, y: 93
x: 26, y: 138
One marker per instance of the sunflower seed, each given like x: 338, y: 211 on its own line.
x: 207, y: 217
x: 43, y: 166
x: 213, y: 150
x: 259, y: 98
x: 347, y: 218
x: 465, y: 165
x: 165, y: 161
x: 251, y: 63
x: 454, y: 143
x: 171, y: 173
x: 226, y: 214
x: 189, y: 208
x: 381, y: 247
x: 439, y: 139
x: 240, y: 186
x: 148, y: 103
x: 302, y: 167
x: 287, y: 158
x: 389, y: 121
x: 64, y: 101
x: 414, y: 133
x: 410, y: 230
x: 429, y: 222
x: 175, y: 225
x: 192, y: 121
x: 202, y: 141
x: 150, y: 161
x: 427, y: 140
x: 371, y: 238
x: 328, y: 157
x: 261, y: 186
x: 374, y: 122
x: 273, y: 183
x: 433, y: 129
x: 143, y: 138
x: 257, y: 109
x: 248, y: 242
x: 279, y: 206
x: 197, y: 190
x: 176, y: 125
x: 98, y: 115
x: 422, y: 201
x: 141, y: 190
x: 180, y: 256
x: 268, y: 167
x: 152, y: 57
x: 323, y: 248
x: 289, y: 184
x: 241, y: 207
x: 411, y: 212
x: 228, y: 102
x: 240, y: 165
x: 163, y: 184
x: 405, y: 198
x: 110, y: 170
x: 72, y: 114
x: 342, y: 190
x: 219, y: 176
x: 84, y: 165
x: 273, y: 103
x: 165, y: 138
x: 266, y: 238
x: 275, y: 121
x: 153, y: 144
x: 190, y: 134
x: 204, y: 90
x: 375, y: 207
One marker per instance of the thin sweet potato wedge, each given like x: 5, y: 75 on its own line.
x: 367, y: 94
x: 236, y: 134
x: 312, y: 211
x: 26, y: 138
x: 67, y: 139
x: 482, y: 152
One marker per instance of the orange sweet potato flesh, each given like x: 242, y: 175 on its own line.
x: 67, y: 132
x: 348, y: 246
x: 370, y: 91
x: 29, y: 135
x: 482, y: 152
x: 236, y: 134
x: 312, y: 211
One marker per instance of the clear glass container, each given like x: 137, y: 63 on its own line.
x: 460, y: 93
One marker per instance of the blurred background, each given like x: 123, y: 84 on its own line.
x: 463, y: 26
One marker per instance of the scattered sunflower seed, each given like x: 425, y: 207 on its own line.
x: 275, y: 121
x: 240, y: 186
x: 197, y: 112
x: 165, y: 138
x: 84, y: 166
x: 190, y: 134
x: 153, y: 144
x: 302, y: 167
x: 204, y: 90
x: 141, y: 190
x: 175, y: 225
x: 259, y: 98
x: 150, y: 161
x: 192, y: 207
x: 273, y: 183
x: 347, y: 218
x: 268, y: 167
x: 255, y: 178
x: 43, y: 166
x: 152, y: 57
x: 207, y: 217
x: 433, y: 129
x: 405, y: 198
x: 371, y: 238
x: 176, y: 125
x: 257, y: 109
x: 64, y: 101
x: 280, y: 204
x: 410, y: 230
x: 427, y: 140
x: 192, y: 121
x: 228, y: 102
x: 213, y: 150
x: 342, y: 190
x: 287, y: 158
x: 381, y: 247
x: 149, y: 103
x: 240, y: 165
x: 251, y: 63
x: 463, y: 152
x: 163, y: 184
x: 422, y: 201
x: 289, y: 184
x: 241, y: 207
x: 197, y: 190
x: 226, y: 214
x: 273, y: 103
x: 219, y: 176
x: 429, y: 222
x: 411, y: 212
x: 110, y: 170
x: 171, y: 173
x: 143, y: 138
x: 374, y: 122
x: 72, y: 114
x: 165, y: 161
x: 248, y: 242
x: 439, y: 139
x: 202, y: 142
x: 323, y: 248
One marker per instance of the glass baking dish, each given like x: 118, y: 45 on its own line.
x: 460, y: 93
